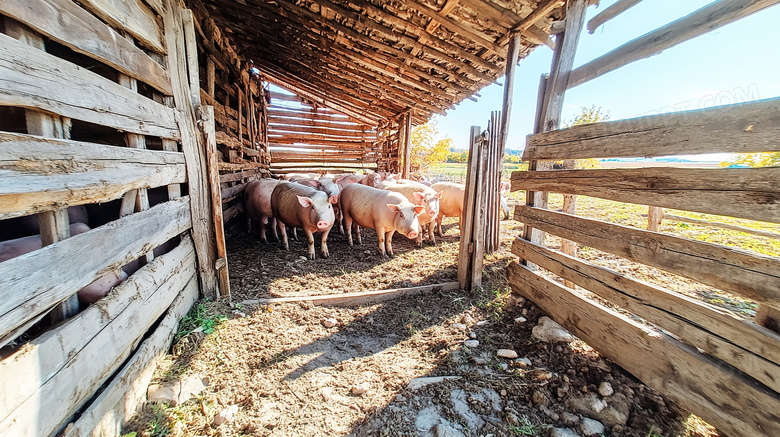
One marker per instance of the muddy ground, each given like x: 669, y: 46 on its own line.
x: 289, y: 375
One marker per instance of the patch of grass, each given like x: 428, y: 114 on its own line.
x: 525, y: 427
x: 199, y: 317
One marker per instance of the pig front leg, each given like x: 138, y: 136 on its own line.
x: 295, y: 233
x: 272, y: 221
x: 310, y: 239
x: 283, y: 231
x: 389, y: 241
x: 438, y: 225
x: 430, y: 231
x: 359, y: 234
x: 263, y: 222
x: 380, y: 233
x: 324, y: 246
x: 348, y: 223
x: 419, y: 239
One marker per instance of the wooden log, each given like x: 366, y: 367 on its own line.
x: 466, y: 246
x: 206, y: 124
x: 194, y: 153
x: 131, y: 16
x: 35, y: 79
x: 751, y: 275
x: 316, y: 139
x: 768, y: 316
x: 191, y: 55
x: 233, y: 177
x: 39, y: 279
x: 230, y: 166
x: 233, y: 211
x: 746, y: 346
x: 117, y: 403
x: 357, y: 298
x: 707, y: 387
x: 699, y: 22
x: 655, y: 215
x: 513, y: 54
x: 745, y: 229
x: 275, y: 129
x: 71, y: 25
x: 78, y: 375
x: 751, y: 193
x: 738, y: 128
x: 407, y: 128
x: 611, y: 12
x: 542, y: 11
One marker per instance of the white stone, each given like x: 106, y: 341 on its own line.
x: 458, y: 326
x: 507, y: 353
x: 226, y: 415
x: 521, y: 320
x: 422, y: 382
x: 482, y: 323
x: 472, y: 335
x: 605, y: 389
x: 503, y: 366
x: 427, y: 418
x: 443, y: 430
x: 563, y: 432
x: 471, y: 343
x: 524, y: 362
x: 329, y: 322
x: 591, y: 427
x: 461, y: 406
x: 549, y: 331
x: 163, y: 393
x: 359, y: 389
x: 480, y: 361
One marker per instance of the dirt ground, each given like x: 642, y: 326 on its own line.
x: 289, y: 375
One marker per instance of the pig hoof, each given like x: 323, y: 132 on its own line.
x: 311, y: 256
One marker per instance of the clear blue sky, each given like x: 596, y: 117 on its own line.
x: 729, y: 65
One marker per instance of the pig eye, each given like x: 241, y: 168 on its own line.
x: 402, y: 214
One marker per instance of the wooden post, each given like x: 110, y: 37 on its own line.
x: 768, y: 317
x: 209, y: 134
x: 480, y: 210
x: 509, y: 86
x: 466, y: 248
x: 407, y: 127
x: 655, y: 215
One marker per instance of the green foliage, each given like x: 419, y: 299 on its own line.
x: 426, y: 149
x: 199, y: 317
x: 762, y: 159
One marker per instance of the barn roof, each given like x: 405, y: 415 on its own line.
x: 374, y: 60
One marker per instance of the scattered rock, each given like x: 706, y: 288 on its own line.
x: 482, y: 323
x: 329, y: 322
x: 302, y: 258
x: 471, y: 343
x: 521, y: 320
x: 539, y: 398
x: 400, y: 398
x: 461, y: 406
x: 569, y: 419
x: 359, y: 389
x: 523, y: 362
x: 442, y: 430
x: 549, y: 331
x: 417, y: 383
x: 507, y: 353
x: 238, y: 314
x: 176, y: 392
x: 563, y: 432
x: 480, y: 361
x: 503, y: 366
x: 591, y: 427
x: 225, y: 415
x: 458, y: 326
x: 167, y: 394
x: 472, y: 335
x: 614, y: 412
x: 516, y: 300
x: 539, y: 374
x: 605, y: 389
x: 550, y: 413
x: 512, y: 419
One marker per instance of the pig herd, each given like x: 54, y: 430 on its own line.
x: 381, y: 201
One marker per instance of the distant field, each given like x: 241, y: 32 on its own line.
x: 457, y: 171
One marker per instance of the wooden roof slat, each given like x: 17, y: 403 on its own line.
x: 540, y: 12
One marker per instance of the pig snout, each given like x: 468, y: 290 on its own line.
x: 322, y: 225
x: 412, y: 235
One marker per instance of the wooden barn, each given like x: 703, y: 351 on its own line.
x: 129, y: 129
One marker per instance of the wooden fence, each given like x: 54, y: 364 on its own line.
x: 720, y: 367
x: 100, y: 108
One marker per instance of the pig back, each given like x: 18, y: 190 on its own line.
x: 286, y: 207
x: 451, y: 202
x: 257, y: 197
x: 368, y: 205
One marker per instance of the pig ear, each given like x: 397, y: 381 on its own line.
x: 395, y: 208
x: 438, y: 195
x: 419, y: 210
x: 341, y: 178
x: 312, y: 182
x: 333, y: 199
x: 304, y: 201
x: 419, y: 195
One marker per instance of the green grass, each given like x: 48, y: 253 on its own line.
x: 199, y: 317
x: 458, y: 170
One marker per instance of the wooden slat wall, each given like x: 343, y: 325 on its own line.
x: 720, y: 367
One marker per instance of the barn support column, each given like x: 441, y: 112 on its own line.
x: 509, y: 88
x: 406, y: 127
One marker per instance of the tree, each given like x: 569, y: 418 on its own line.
x: 587, y: 116
x: 762, y: 159
x: 426, y: 149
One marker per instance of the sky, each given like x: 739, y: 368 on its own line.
x: 736, y: 63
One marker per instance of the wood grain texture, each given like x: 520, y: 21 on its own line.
x: 751, y: 275
x: 747, y: 346
x: 750, y: 193
x: 69, y: 24
x: 132, y: 16
x: 35, y: 79
x: 738, y: 128
x: 88, y: 349
x: 34, y: 281
x: 699, y: 22
x: 709, y: 388
x: 611, y: 12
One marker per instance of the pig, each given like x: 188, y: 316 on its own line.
x: 303, y: 207
x: 419, y: 195
x: 257, y: 200
x: 451, y: 202
x: 382, y: 210
x: 28, y: 225
x: 87, y: 295
x: 292, y: 176
x: 504, y: 206
x: 372, y: 180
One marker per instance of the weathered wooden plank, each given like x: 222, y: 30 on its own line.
x: 611, y: 12
x: 466, y: 246
x: 117, y: 402
x: 751, y: 348
x: 132, y: 16
x: 232, y: 177
x: 233, y: 211
x: 358, y: 298
x: 275, y: 129
x: 232, y: 166
x: 699, y: 22
x: 709, y: 388
x: 35, y: 281
x: 67, y: 23
x: 751, y: 275
x: 82, y: 361
x: 43, y: 174
x: 35, y: 79
x: 738, y: 128
x: 751, y: 193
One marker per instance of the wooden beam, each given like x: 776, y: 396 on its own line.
x: 132, y: 16
x: 407, y: 127
x: 357, y: 298
x: 611, y: 12
x: 699, y: 22
x: 754, y: 276
x: 542, y: 11
x: 701, y: 384
x: 738, y: 128
x: 508, y: 18
x: 509, y: 88
x: 744, y: 345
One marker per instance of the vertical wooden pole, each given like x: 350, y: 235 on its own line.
x: 210, y: 76
x: 655, y: 215
x: 466, y: 248
x: 191, y: 56
x: 407, y: 144
x: 480, y: 213
x: 209, y: 134
x: 513, y: 53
